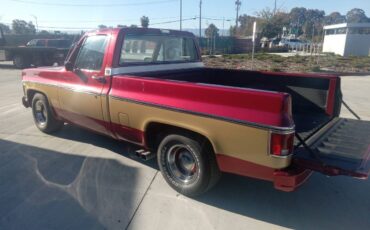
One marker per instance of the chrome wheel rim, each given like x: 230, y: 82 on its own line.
x: 40, y: 113
x: 182, y: 164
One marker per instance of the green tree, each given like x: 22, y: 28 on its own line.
x: 246, y: 25
x: 356, y: 16
x: 297, y: 20
x: 271, y: 24
x: 334, y: 18
x: 102, y: 27
x: 44, y: 32
x: 212, y: 31
x: 23, y: 27
x: 144, y: 21
x: 314, y: 23
x: 5, y: 28
x: 232, y: 31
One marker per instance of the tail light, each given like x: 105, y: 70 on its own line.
x: 281, y: 144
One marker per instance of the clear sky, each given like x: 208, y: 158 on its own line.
x: 85, y: 14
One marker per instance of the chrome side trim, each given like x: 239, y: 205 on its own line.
x: 66, y: 88
x: 275, y: 129
x: 151, y: 68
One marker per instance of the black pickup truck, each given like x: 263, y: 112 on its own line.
x: 37, y: 52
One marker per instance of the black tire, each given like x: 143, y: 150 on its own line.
x: 37, y: 61
x: 198, y: 174
x: 20, y: 61
x: 43, y: 115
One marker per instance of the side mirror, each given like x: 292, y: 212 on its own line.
x: 68, y: 66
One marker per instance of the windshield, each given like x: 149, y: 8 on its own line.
x: 157, y: 49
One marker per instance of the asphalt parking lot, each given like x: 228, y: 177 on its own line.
x: 79, y: 180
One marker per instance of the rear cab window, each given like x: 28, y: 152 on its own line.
x: 157, y: 49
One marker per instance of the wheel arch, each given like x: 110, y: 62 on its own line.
x: 155, y: 131
x: 32, y: 92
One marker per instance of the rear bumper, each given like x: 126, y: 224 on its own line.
x: 290, y: 179
x: 287, y: 179
x: 25, y: 102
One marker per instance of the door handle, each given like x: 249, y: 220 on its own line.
x: 99, y: 79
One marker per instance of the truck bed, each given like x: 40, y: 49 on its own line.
x: 309, y: 93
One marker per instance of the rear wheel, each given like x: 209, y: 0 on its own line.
x: 37, y: 61
x: 188, y: 165
x: 20, y: 61
x: 43, y: 116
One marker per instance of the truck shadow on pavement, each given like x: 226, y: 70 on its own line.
x: 126, y: 149
x: 46, y: 189
x: 96, y: 192
x: 323, y: 202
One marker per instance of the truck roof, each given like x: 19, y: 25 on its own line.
x: 146, y: 30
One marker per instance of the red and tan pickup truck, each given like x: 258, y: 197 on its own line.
x: 149, y: 87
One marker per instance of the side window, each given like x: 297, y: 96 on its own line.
x: 41, y: 43
x: 91, y: 53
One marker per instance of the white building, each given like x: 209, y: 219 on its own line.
x: 347, y: 39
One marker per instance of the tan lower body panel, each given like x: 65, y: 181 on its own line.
x: 50, y: 91
x: 86, y: 104
x: 230, y: 139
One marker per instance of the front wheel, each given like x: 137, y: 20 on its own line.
x: 43, y: 115
x: 188, y: 165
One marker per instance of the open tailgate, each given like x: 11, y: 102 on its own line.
x: 340, y: 148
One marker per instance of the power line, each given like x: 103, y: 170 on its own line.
x: 92, y: 5
x: 218, y: 19
x: 93, y: 28
x: 125, y: 20
x: 68, y: 28
x: 168, y: 22
x: 102, y: 20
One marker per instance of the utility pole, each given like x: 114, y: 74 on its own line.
x: 275, y: 8
x: 180, y: 14
x: 238, y: 3
x: 200, y: 18
x: 37, y: 25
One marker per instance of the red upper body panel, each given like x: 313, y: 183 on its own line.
x: 239, y: 105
